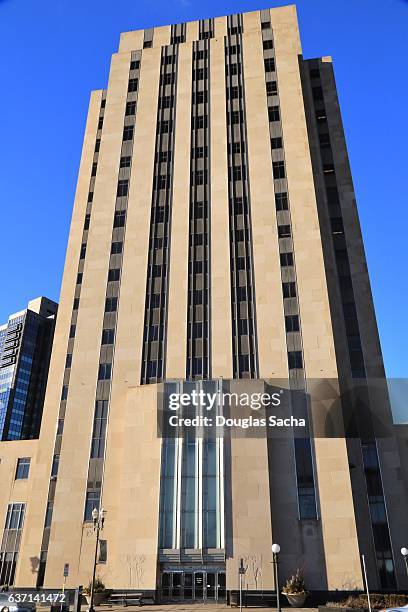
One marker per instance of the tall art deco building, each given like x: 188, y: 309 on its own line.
x: 214, y: 236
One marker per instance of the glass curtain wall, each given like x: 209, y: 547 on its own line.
x: 192, y: 484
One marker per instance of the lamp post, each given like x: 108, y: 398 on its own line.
x: 98, y: 517
x: 275, y: 552
x: 241, y: 572
x: 404, y: 553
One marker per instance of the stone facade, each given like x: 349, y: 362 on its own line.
x: 261, y: 478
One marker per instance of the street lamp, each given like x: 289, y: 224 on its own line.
x: 98, y: 517
x: 404, y: 553
x: 275, y: 552
x: 241, y: 572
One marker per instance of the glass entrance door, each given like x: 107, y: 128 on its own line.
x: 176, y: 591
x: 211, y: 586
x: 193, y: 586
x: 188, y: 586
x: 221, y: 590
x: 199, y: 585
x: 166, y: 585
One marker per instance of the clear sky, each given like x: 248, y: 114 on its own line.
x: 53, y: 52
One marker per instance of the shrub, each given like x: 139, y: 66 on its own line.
x: 295, y: 584
x: 378, y: 601
x: 99, y: 587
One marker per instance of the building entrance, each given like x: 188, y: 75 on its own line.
x: 194, y: 585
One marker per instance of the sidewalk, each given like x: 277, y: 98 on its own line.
x: 194, y: 607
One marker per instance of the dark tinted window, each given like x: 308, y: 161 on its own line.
x: 271, y: 88
x: 289, y: 290
x: 108, y: 336
x: 132, y: 85
x: 130, y: 108
x: 119, y: 220
x: 23, y: 468
x: 105, y: 371
x: 286, y: 259
x: 125, y: 161
x: 292, y: 323
x: 114, y: 274
x: 123, y: 187
x: 111, y: 304
x: 278, y: 169
x: 281, y: 201
x: 128, y: 132
x: 295, y: 360
x: 116, y: 248
x: 269, y: 64
x: 284, y: 231
x: 273, y: 113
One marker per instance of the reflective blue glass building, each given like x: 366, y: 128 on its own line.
x: 25, y: 348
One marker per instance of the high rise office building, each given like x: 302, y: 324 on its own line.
x: 25, y: 350
x: 214, y: 237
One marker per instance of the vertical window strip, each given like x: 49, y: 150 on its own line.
x: 370, y: 458
x: 206, y: 28
x: 107, y: 351
x: 148, y: 35
x: 168, y: 494
x: 303, y: 452
x: 10, y: 544
x: 339, y: 243
x: 178, y: 34
x: 192, y: 483
x: 189, y: 489
x: 71, y: 343
x: 198, y: 308
x: 155, y: 320
x: 244, y: 335
x: 85, y: 234
x: 235, y: 24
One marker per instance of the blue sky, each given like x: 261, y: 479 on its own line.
x: 54, y: 52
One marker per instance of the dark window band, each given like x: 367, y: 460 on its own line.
x: 244, y: 335
x: 198, y: 309
x: 155, y: 317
